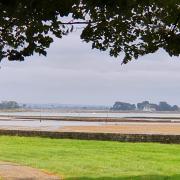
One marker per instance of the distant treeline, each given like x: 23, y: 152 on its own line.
x: 9, y: 105
x: 145, y: 106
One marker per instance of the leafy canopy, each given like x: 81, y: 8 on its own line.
x: 131, y: 27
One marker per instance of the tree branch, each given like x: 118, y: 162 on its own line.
x: 77, y: 22
x: 175, y: 24
x: 8, y: 25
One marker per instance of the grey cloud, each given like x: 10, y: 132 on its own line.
x: 73, y: 73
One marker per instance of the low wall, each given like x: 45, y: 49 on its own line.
x: 96, y: 136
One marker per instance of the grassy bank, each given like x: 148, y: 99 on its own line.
x: 94, y: 160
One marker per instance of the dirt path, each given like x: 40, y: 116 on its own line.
x: 11, y: 171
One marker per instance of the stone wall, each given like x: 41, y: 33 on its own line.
x: 96, y: 136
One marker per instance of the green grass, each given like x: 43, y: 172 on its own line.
x: 94, y: 160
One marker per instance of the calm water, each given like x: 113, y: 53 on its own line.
x: 92, y: 114
x: 53, y: 125
x: 49, y: 125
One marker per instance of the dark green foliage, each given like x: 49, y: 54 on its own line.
x: 123, y: 106
x: 145, y: 106
x: 162, y: 106
x: 131, y: 27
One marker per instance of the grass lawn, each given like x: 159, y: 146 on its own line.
x: 94, y: 160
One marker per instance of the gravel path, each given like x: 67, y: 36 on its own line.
x: 11, y: 171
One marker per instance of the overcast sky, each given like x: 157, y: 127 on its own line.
x: 73, y: 73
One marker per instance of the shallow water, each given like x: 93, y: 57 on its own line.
x: 50, y: 125
x: 120, y: 115
x: 38, y: 123
x: 8, y: 122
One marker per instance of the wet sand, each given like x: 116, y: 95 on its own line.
x: 126, y: 128
x: 136, y: 128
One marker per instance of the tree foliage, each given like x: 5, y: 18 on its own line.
x: 129, y: 27
x: 123, y: 106
x: 9, y: 105
x: 145, y: 106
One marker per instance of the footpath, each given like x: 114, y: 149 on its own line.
x: 12, y: 171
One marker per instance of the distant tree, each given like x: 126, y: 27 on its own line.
x: 24, y: 106
x: 9, y: 105
x: 164, y: 106
x: 131, y: 27
x: 175, y: 108
x: 123, y: 106
x: 142, y: 105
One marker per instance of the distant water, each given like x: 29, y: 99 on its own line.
x: 120, y: 115
x: 53, y: 125
x: 49, y: 125
x: 46, y: 123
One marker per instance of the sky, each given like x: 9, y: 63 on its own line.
x: 73, y: 73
